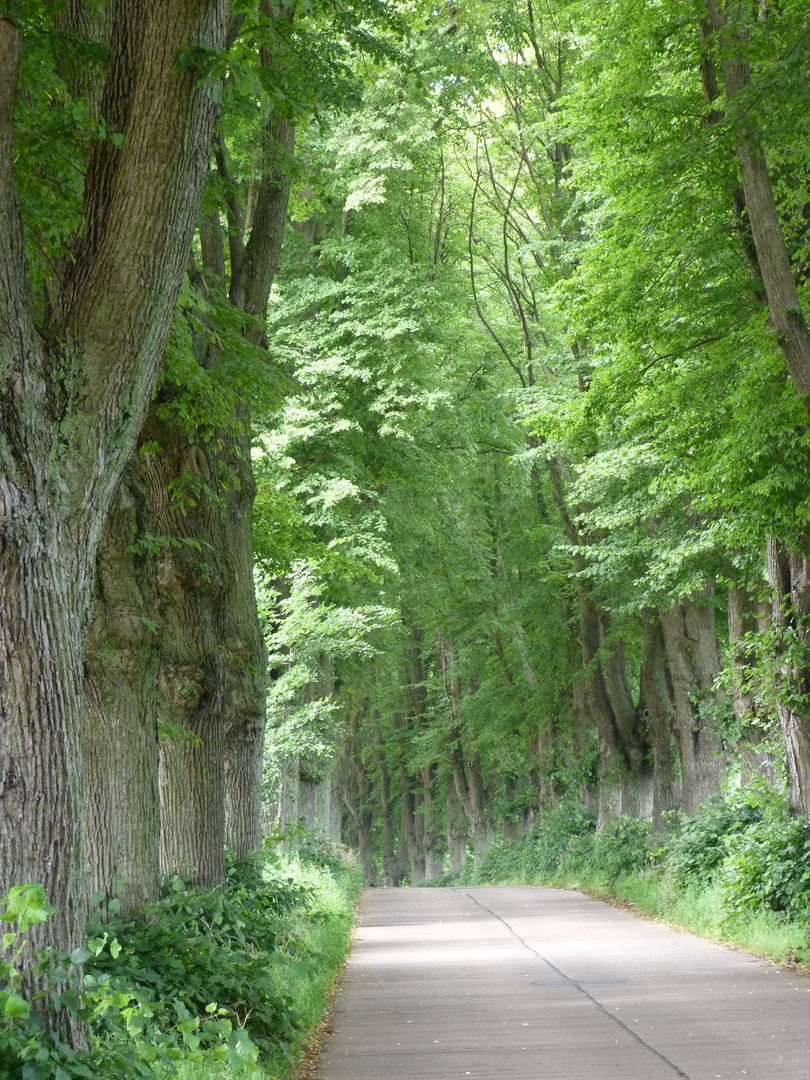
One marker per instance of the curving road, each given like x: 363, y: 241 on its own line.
x: 519, y: 982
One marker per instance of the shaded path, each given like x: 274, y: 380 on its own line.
x: 519, y: 982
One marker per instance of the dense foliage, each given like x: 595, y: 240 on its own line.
x: 202, y: 979
x: 448, y: 488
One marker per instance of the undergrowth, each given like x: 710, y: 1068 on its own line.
x: 739, y: 871
x: 204, y: 984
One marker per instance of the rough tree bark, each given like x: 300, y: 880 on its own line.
x: 694, y: 663
x: 73, y: 401
x: 789, y: 579
x: 120, y: 743
x: 745, y: 616
x: 655, y: 706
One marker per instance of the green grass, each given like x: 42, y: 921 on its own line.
x: 315, y: 943
x: 735, y: 873
x: 698, y: 909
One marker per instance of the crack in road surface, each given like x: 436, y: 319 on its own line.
x: 578, y: 986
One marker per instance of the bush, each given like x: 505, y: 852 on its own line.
x: 552, y: 835
x: 698, y: 849
x: 768, y: 867
x: 505, y: 861
x: 195, y: 947
x: 618, y: 849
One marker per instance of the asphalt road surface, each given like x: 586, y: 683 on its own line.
x: 521, y: 983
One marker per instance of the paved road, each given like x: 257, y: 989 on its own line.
x: 523, y: 983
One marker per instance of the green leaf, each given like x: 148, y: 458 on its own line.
x: 16, y: 1006
x: 78, y: 956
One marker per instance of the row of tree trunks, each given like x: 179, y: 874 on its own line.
x: 74, y: 401
x: 212, y: 665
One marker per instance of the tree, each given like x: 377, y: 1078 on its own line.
x: 77, y: 374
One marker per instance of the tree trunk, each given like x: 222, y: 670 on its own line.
x: 616, y: 793
x: 122, y: 810
x: 789, y: 579
x: 434, y: 857
x: 694, y: 663
x: 655, y: 705
x: 744, y: 618
x: 358, y: 797
x: 245, y: 664
x: 191, y: 685
x: 387, y: 815
x: 456, y: 828
x: 772, y: 254
x: 73, y: 402
x: 407, y: 828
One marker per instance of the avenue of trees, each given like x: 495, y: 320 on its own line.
x: 403, y: 425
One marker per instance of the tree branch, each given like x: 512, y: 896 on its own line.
x: 17, y: 335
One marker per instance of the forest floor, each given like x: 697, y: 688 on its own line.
x: 528, y: 982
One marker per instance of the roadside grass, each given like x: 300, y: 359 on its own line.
x: 315, y: 943
x: 203, y: 984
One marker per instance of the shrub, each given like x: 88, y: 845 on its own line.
x: 195, y: 947
x: 618, y: 849
x: 504, y: 861
x: 697, y: 851
x: 552, y: 835
x: 768, y: 867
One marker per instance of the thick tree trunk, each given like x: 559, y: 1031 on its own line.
x: 617, y: 793
x: 41, y: 648
x: 408, y: 846
x: 456, y: 828
x: 694, y: 663
x: 434, y: 856
x: 245, y: 664
x: 789, y: 579
x: 387, y: 816
x: 743, y: 618
x: 191, y: 689
x: 548, y: 788
x: 122, y: 811
x: 655, y: 705
x: 69, y: 417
